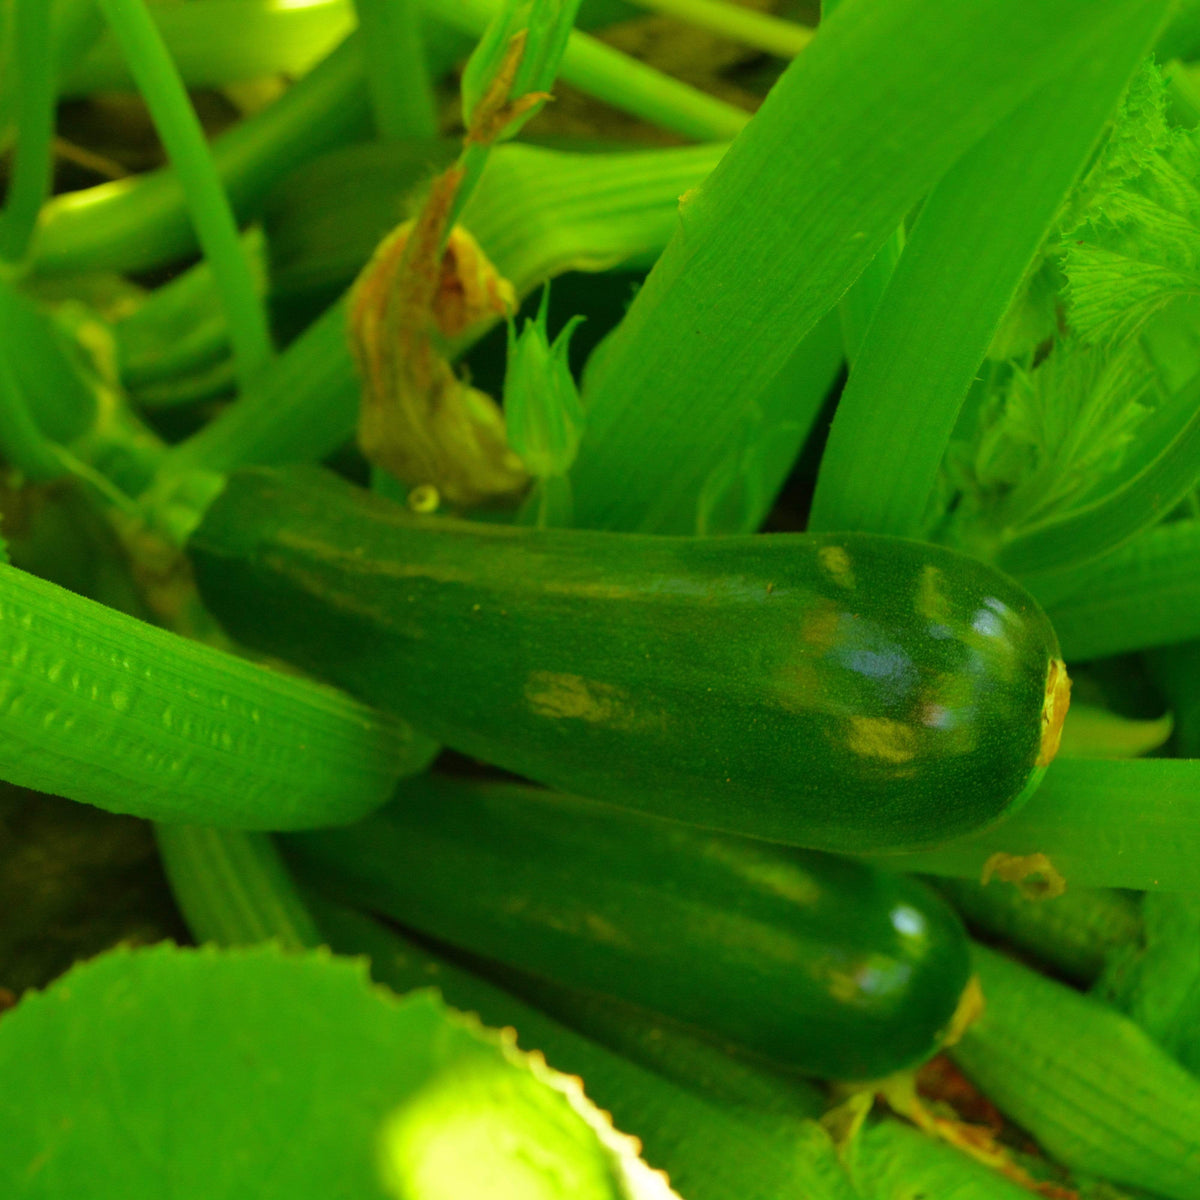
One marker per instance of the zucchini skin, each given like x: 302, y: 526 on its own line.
x: 846, y: 692
x: 822, y: 964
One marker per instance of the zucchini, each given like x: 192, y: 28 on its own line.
x: 838, y: 691
x: 823, y: 965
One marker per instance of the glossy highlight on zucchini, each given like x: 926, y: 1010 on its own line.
x: 827, y: 966
x: 838, y: 691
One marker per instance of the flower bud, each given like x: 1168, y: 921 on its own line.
x: 542, y: 411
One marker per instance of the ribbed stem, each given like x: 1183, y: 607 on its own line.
x: 208, y: 203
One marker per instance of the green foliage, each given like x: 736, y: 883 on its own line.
x: 544, y: 26
x: 969, y: 251
x: 1102, y: 822
x: 1045, y: 434
x: 1088, y: 402
x: 543, y: 416
x: 1157, y: 983
x: 1132, y: 236
x: 210, y: 1075
x: 176, y: 730
x: 1071, y: 935
x: 990, y: 212
x: 1088, y: 1083
x: 742, y: 282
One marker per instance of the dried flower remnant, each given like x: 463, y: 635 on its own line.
x: 1034, y: 875
x: 418, y: 420
x: 507, y: 79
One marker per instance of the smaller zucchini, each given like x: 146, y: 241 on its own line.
x: 823, y: 965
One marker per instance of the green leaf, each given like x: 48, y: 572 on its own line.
x: 255, y: 1073
x: 1158, y: 985
x: 734, y: 497
x: 976, y: 238
x: 1114, y: 293
x: 1145, y: 594
x: 743, y: 281
x: 1043, y: 439
x: 740, y: 490
x: 1181, y: 38
x: 1136, y: 503
x: 1132, y: 244
x: 695, y: 1119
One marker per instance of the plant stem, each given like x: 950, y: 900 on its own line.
x: 233, y: 888
x: 33, y: 85
x: 539, y: 213
x: 132, y: 225
x: 397, y: 76
x: 784, y: 39
x: 1103, y: 823
x: 616, y: 78
x: 184, y: 139
x: 273, y: 38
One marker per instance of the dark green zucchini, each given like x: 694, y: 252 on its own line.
x: 822, y: 964
x: 837, y: 691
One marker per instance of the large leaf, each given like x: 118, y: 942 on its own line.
x: 254, y: 1073
x: 802, y: 201
x: 976, y: 237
